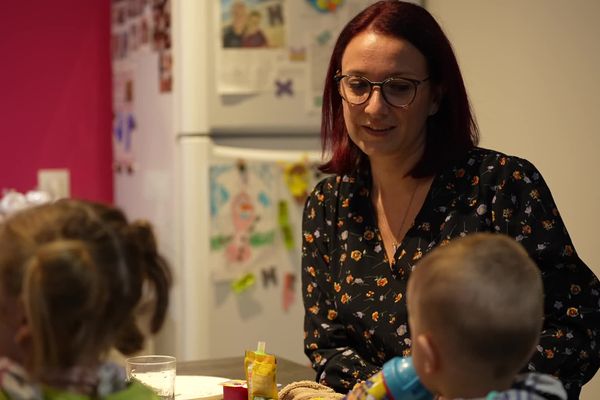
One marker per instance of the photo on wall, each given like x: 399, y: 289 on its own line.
x: 251, y: 24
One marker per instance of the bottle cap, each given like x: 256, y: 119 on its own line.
x: 260, y: 348
x: 402, y: 381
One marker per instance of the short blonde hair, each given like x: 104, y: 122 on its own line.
x: 481, y: 296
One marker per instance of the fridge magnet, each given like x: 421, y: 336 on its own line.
x: 317, y: 101
x: 323, y: 37
x: 269, y: 276
x: 297, y: 180
x: 297, y: 54
x: 319, y: 50
x: 326, y: 5
x: 284, y: 87
x: 289, y: 290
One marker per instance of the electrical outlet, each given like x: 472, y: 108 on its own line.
x: 55, y: 182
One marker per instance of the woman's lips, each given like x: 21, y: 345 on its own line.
x: 376, y: 130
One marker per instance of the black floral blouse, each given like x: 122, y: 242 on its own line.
x: 356, y: 315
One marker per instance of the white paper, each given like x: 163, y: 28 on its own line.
x: 192, y: 387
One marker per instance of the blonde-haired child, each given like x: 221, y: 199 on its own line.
x: 71, y: 276
x: 475, y: 313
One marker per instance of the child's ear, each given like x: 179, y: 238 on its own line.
x: 23, y: 332
x: 429, y: 354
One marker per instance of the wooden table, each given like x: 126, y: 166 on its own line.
x: 233, y: 368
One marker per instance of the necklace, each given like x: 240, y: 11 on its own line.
x: 395, y: 243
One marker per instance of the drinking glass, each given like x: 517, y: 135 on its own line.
x: 155, y: 371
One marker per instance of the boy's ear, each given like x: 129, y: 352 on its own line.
x: 429, y: 354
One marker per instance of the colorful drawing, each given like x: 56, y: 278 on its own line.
x: 243, y: 226
x: 255, y: 210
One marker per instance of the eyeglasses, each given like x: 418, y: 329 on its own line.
x: 397, y: 92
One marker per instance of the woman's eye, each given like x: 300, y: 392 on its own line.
x: 358, y: 85
x: 398, y: 87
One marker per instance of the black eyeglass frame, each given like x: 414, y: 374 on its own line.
x: 414, y: 82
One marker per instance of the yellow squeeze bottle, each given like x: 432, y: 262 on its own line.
x: 260, y: 369
x: 249, y: 363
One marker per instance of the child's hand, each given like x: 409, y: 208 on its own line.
x: 357, y: 384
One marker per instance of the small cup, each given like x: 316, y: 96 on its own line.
x: 154, y: 371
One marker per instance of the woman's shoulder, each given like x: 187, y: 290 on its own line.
x: 494, y: 164
x: 491, y: 170
x: 336, y: 184
x: 482, y: 157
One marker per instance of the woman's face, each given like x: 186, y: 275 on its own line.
x: 377, y: 128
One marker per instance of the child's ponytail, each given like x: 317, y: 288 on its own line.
x: 155, y: 268
x: 153, y: 288
x: 60, y: 274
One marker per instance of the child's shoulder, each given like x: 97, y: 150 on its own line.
x: 14, y: 383
x: 133, y: 391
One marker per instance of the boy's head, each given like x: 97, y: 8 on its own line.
x: 475, y: 310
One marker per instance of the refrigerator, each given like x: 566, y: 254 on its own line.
x: 196, y: 125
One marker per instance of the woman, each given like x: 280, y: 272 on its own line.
x: 407, y: 178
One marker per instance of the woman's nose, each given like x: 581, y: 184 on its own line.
x: 376, y: 104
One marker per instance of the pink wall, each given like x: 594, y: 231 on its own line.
x: 55, y: 94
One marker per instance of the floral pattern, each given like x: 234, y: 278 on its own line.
x: 356, y: 316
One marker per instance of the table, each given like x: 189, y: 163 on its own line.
x: 233, y: 368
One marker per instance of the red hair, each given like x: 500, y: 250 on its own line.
x: 451, y: 132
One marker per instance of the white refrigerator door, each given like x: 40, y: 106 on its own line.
x: 213, y: 320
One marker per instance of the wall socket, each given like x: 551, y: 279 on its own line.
x: 56, y: 182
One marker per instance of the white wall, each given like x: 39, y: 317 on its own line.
x: 532, y: 71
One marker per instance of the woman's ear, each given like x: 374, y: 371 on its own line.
x: 429, y: 354
x: 436, y: 100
